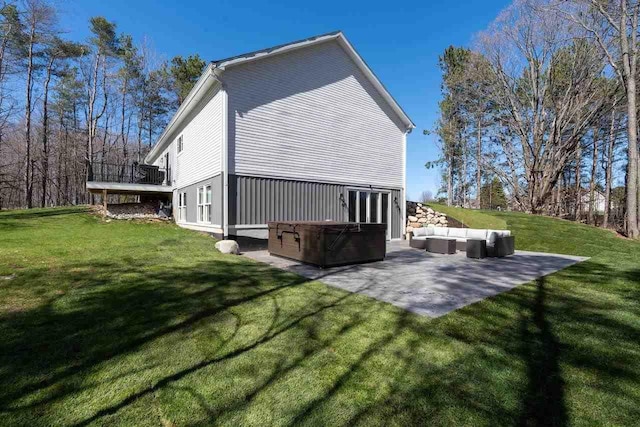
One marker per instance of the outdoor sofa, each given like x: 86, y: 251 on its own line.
x: 499, y: 242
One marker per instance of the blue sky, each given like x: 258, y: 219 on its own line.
x: 400, y: 40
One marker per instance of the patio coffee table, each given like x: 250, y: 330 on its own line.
x: 476, y: 248
x: 441, y: 246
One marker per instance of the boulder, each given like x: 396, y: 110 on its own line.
x: 409, y: 229
x: 412, y: 218
x: 228, y: 247
x: 415, y: 224
x: 431, y: 211
x: 422, y: 220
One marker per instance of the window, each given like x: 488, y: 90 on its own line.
x: 180, y: 144
x: 204, y: 203
x: 182, y: 207
x: 353, y: 195
x: 369, y: 206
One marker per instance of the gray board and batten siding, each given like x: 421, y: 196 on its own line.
x: 257, y: 200
x: 192, y: 200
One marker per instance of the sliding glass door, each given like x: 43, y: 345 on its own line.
x: 369, y: 206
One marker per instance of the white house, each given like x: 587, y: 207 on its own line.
x: 301, y: 131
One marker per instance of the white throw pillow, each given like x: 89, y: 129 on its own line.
x: 419, y: 231
x: 429, y: 231
x: 440, y: 231
x: 457, y: 232
x: 474, y: 233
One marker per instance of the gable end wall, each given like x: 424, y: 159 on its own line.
x: 311, y: 114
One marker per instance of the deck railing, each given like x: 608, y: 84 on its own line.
x: 133, y: 173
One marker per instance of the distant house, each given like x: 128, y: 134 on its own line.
x: 599, y: 201
x: 301, y: 131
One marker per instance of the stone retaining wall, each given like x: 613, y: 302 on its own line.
x: 421, y: 215
x: 144, y: 210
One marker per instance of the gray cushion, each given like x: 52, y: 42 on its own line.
x: 491, y: 238
x: 457, y: 232
x: 440, y: 231
x: 474, y: 233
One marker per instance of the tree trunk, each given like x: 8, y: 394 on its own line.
x: 632, y: 182
x: 449, y: 178
x: 609, y: 171
x: 592, y: 181
x: 629, y: 58
x: 578, y: 188
x: 478, y: 160
x: 125, y: 154
x: 27, y: 122
x: 45, y: 135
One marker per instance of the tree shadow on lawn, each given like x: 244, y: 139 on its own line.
x: 15, y: 219
x: 26, y: 214
x: 253, y: 335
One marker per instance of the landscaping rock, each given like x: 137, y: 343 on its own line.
x: 419, y: 215
x: 228, y: 247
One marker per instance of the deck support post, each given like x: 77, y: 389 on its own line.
x: 104, y: 202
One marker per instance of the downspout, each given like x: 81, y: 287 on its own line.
x: 216, y: 73
x: 404, y: 184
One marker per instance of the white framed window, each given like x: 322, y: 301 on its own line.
x: 204, y: 204
x: 180, y: 144
x: 369, y: 206
x: 182, y: 206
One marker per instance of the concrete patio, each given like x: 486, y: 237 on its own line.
x: 426, y: 283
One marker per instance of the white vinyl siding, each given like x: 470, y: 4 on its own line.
x: 311, y: 114
x: 201, y: 155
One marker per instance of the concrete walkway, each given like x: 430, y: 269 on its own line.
x: 430, y: 284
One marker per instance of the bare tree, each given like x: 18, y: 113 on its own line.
x: 57, y: 50
x: 613, y: 27
x: 39, y: 19
x: 550, y: 86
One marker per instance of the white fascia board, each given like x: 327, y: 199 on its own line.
x: 204, y: 83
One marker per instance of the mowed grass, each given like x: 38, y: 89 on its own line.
x: 127, y: 323
x: 472, y: 218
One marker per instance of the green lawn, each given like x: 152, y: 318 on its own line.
x: 478, y: 219
x: 125, y: 323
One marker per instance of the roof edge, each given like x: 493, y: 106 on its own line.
x: 204, y: 82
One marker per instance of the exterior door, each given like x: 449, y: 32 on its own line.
x: 369, y: 207
x: 167, y: 169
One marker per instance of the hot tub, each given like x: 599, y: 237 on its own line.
x: 328, y: 243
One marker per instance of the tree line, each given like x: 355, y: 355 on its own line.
x: 545, y: 103
x: 69, y: 108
